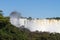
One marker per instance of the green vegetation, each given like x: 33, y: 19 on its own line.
x: 56, y: 18
x: 10, y: 32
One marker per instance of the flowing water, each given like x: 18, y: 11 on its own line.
x: 48, y: 25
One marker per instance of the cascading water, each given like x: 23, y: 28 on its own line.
x: 48, y: 25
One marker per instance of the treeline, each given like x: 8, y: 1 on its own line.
x: 56, y: 18
x: 10, y: 32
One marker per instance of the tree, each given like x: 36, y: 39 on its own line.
x: 1, y: 13
x: 30, y: 18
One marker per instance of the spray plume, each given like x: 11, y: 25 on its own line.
x: 35, y: 24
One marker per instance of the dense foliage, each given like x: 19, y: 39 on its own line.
x: 56, y: 18
x: 10, y: 32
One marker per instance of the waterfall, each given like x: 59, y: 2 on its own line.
x: 48, y: 25
x: 38, y: 24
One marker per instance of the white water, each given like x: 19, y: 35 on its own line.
x: 37, y: 24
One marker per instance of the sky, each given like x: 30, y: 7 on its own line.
x: 31, y: 8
